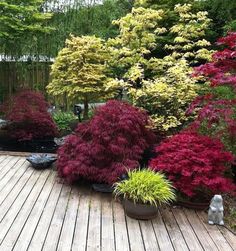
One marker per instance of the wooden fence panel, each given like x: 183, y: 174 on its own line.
x: 19, y: 75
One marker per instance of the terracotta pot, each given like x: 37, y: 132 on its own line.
x: 139, y: 211
x: 193, y: 205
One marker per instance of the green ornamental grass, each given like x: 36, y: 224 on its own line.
x: 64, y: 119
x: 146, y: 186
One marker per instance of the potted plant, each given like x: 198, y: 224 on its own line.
x: 143, y: 191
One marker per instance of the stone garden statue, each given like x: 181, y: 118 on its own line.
x: 215, y: 212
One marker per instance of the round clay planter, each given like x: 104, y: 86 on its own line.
x: 139, y: 211
x: 193, y: 205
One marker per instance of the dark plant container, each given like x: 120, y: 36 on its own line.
x: 193, y: 205
x: 139, y: 211
x: 102, y: 188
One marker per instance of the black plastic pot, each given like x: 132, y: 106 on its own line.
x: 139, y: 211
x: 102, y: 188
x: 193, y: 205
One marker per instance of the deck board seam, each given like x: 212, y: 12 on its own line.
x: 29, y: 213
x: 68, y: 199
x: 180, y: 230
x: 225, y: 237
x: 207, y: 231
x: 20, y: 207
x: 51, y: 218
x: 77, y: 212
x: 127, y: 230
x: 17, y: 194
x: 16, y: 173
x: 40, y: 215
x: 88, y: 222
x: 166, y: 230
x: 194, y: 230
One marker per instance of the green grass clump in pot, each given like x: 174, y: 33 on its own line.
x: 146, y: 187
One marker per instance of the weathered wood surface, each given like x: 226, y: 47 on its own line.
x: 40, y: 212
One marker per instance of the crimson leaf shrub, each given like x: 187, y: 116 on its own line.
x: 222, y: 69
x: 196, y: 164
x: 216, y: 111
x: 104, y: 148
x: 27, y: 111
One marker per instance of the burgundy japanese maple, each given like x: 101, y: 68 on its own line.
x: 104, y: 148
x: 27, y: 111
x: 196, y: 164
x: 215, y: 118
x: 222, y: 69
x: 216, y: 114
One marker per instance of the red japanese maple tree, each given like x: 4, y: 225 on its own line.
x: 27, y: 112
x: 216, y: 114
x: 104, y: 148
x: 222, y: 69
x: 196, y: 164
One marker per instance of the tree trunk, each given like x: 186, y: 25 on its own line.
x: 86, y: 109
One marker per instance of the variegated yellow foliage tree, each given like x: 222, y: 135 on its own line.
x: 161, y: 84
x: 80, y: 71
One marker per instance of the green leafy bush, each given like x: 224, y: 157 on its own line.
x: 64, y: 119
x: 146, y: 186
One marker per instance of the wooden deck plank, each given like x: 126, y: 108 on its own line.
x: 173, y: 229
x: 215, y: 233
x: 54, y: 231
x: 27, y: 196
x: 7, y: 164
x: 94, y: 228
x: 41, y: 230
x: 67, y: 233
x: 135, y: 235
x: 19, y: 167
x: 2, y: 157
x: 38, y: 212
x: 229, y: 236
x: 32, y: 221
x: 17, y: 190
x: 14, y: 229
x: 188, y: 233
x: 82, y: 220
x: 121, y: 234
x: 200, y: 231
x: 162, y: 235
x: 108, y: 238
x: 149, y: 237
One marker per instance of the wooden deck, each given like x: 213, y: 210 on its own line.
x: 39, y: 212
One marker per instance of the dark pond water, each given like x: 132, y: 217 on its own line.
x: 37, y: 146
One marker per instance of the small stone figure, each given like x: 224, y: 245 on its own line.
x: 215, y: 212
x: 60, y: 141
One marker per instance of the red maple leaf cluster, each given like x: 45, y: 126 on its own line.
x: 219, y: 117
x: 195, y: 164
x: 29, y: 118
x: 216, y: 114
x: 222, y: 69
x: 104, y: 148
